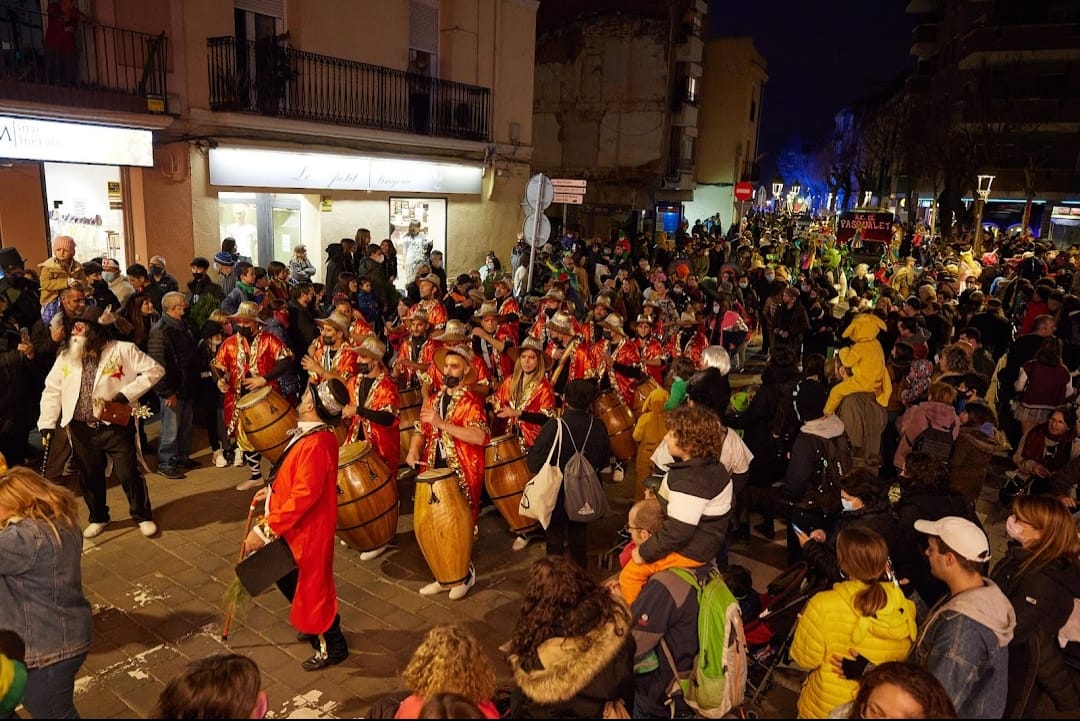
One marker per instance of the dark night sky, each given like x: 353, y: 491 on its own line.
x: 820, y: 55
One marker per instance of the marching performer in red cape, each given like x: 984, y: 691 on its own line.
x: 246, y: 361
x: 491, y: 341
x: 572, y: 356
x: 415, y: 354
x: 688, y: 341
x: 330, y: 355
x: 429, y: 303
x: 621, y: 359
x: 509, y: 308
x: 550, y: 304
x: 301, y: 507
x: 652, y: 351
x: 451, y: 433
x: 358, y: 325
x: 525, y: 401
x: 593, y: 327
x: 455, y: 334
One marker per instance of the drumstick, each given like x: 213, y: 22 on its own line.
x: 247, y: 529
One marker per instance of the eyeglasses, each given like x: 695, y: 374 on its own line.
x: 629, y: 528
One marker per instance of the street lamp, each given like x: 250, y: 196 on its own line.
x: 777, y: 188
x: 867, y: 197
x: 985, y: 181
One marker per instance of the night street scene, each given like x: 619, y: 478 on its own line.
x: 539, y: 359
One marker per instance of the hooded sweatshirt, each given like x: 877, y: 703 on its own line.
x: 928, y: 414
x: 965, y: 643
x: 804, y: 455
x: 830, y: 625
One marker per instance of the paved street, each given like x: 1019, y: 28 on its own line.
x: 158, y: 602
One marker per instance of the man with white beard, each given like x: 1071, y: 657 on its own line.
x: 92, y: 370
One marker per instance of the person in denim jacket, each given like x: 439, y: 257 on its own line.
x: 41, y: 595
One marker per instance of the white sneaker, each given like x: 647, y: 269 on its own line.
x: 249, y: 484
x: 219, y: 458
x: 94, y: 530
x: 519, y: 543
x: 369, y: 555
x: 238, y: 459
x: 458, y: 592
x: 432, y: 589
x: 147, y: 528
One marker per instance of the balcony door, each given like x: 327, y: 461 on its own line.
x: 259, y: 26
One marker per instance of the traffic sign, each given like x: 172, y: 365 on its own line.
x: 538, y: 191
x: 537, y: 229
x: 569, y: 183
x: 568, y: 198
x: 744, y: 191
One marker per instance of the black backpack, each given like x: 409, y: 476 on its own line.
x: 938, y: 442
x: 833, y: 462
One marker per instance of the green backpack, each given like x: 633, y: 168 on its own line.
x: 717, y: 682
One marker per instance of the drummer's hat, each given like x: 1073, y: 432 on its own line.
x: 336, y: 320
x: 371, y: 347
x: 489, y: 307
x: 614, y: 322
x: 689, y: 319
x: 503, y: 278
x: 561, y: 323
x: 603, y: 299
x: 433, y: 279
x: 554, y: 294
x: 459, y: 350
x: 248, y: 310
x: 330, y: 397
x: 419, y: 314
x: 534, y: 345
x: 643, y: 319
x: 454, y: 332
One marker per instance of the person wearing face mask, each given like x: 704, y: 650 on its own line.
x: 689, y: 341
x: 679, y: 296
x: 246, y: 361
x: 1040, y: 574
x: 570, y: 353
x: 491, y: 341
x: 118, y: 282
x: 451, y: 433
x: 98, y: 288
x: 620, y: 359
x: 415, y: 354
x: 653, y: 354
x: 550, y: 303
x: 161, y: 282
x: 203, y: 295
x: 329, y: 356
x: 455, y: 333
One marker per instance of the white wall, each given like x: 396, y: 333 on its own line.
x: 708, y: 200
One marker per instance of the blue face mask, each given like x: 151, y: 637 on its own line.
x: 847, y: 505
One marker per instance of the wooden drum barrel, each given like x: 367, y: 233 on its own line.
x: 442, y: 522
x: 505, y: 476
x: 408, y: 414
x: 641, y: 394
x: 367, y: 508
x: 619, y: 421
x: 265, y: 417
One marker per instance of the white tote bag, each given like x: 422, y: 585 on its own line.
x: 542, y: 491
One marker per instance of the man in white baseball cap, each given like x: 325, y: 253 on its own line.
x: 965, y: 637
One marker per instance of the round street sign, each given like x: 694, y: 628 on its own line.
x: 536, y: 234
x: 744, y: 191
x: 539, y: 192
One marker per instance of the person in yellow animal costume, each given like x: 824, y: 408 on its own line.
x: 867, y: 363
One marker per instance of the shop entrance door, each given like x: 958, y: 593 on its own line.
x: 266, y: 226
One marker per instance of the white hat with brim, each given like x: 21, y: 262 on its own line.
x: 959, y: 534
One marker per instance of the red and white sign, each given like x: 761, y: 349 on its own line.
x: 744, y: 191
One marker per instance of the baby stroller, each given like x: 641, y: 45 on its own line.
x: 769, y: 635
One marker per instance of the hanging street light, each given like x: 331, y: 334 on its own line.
x: 983, y: 190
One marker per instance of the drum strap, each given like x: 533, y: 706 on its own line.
x: 295, y: 435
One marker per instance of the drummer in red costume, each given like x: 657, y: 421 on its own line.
x: 569, y: 352
x: 455, y: 334
x: 451, y: 433
x: 550, y: 304
x: 491, y: 342
x: 509, y: 308
x: 621, y: 359
x: 329, y: 356
x: 373, y: 408
x: 689, y: 341
x: 525, y: 401
x: 652, y: 351
x: 414, y: 356
x: 592, y: 329
x: 301, y: 507
x: 246, y: 361
x: 429, y: 303
x: 358, y: 325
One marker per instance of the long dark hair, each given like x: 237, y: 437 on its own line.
x: 561, y: 600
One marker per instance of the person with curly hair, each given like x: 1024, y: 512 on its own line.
x: 225, y: 685
x: 696, y: 495
x: 898, y: 690
x: 571, y: 650
x: 449, y: 660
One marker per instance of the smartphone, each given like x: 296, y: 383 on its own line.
x: 799, y: 530
x: 24, y: 334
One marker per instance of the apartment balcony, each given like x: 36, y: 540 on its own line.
x: 269, y: 78
x: 924, y: 40
x: 988, y: 45
x: 110, y: 69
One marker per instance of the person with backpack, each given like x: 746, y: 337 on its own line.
x: 585, y: 441
x: 929, y: 427
x: 866, y: 613
x: 696, y: 496
x: 820, y: 457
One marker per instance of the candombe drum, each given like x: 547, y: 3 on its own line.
x: 505, y: 476
x: 367, y: 507
x: 443, y: 525
x: 265, y: 419
x: 647, y: 385
x: 619, y: 421
x: 408, y: 414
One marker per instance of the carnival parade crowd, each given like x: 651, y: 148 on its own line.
x: 893, y: 380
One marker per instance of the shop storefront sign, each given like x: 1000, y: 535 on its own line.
x: 253, y: 167
x: 28, y: 139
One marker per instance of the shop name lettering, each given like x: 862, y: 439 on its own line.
x: 865, y: 224
x: 22, y: 135
x: 358, y: 179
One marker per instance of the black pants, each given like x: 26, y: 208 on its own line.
x: 91, y: 448
x: 336, y: 645
x: 566, y: 537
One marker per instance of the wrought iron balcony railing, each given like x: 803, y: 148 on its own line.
x: 108, y: 67
x: 270, y: 78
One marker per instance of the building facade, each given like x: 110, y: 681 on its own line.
x: 278, y: 122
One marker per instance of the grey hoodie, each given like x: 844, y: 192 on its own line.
x: 965, y: 644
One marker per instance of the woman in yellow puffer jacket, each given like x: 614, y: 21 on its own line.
x: 867, y: 613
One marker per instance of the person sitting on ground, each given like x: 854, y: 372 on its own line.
x: 223, y: 686
x: 449, y: 659
x: 696, y: 496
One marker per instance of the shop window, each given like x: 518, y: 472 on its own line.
x: 266, y: 226
x: 86, y: 202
